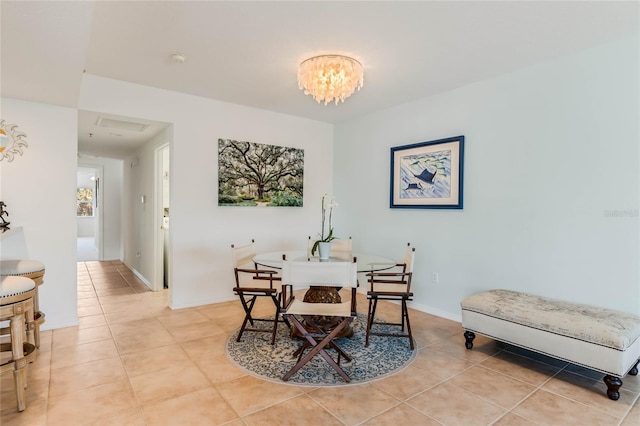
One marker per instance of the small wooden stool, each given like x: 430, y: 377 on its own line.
x: 29, y: 269
x: 16, y: 306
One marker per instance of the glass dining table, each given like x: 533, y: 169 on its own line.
x: 365, y: 262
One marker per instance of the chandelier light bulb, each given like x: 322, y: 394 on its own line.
x: 330, y: 78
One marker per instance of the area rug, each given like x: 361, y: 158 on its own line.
x: 383, y: 357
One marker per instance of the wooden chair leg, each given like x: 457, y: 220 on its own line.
x: 247, y: 314
x: 405, y: 313
x: 373, y: 304
x: 249, y: 322
x: 32, y: 329
x: 17, y: 326
x: 340, y: 352
x: 36, y: 308
x: 278, y: 315
x: 306, y: 345
x: 404, y: 322
x: 275, y: 319
x: 248, y: 308
x: 318, y: 348
x: 19, y: 377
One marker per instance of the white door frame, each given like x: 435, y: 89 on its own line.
x: 99, y: 211
x: 159, y: 232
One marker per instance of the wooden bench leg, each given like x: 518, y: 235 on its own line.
x: 613, y: 386
x: 634, y: 370
x: 469, y: 336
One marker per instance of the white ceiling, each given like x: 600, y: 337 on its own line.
x: 248, y: 52
x: 103, y: 135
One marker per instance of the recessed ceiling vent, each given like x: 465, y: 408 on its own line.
x: 131, y: 126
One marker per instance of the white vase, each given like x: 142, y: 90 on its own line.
x: 323, y: 250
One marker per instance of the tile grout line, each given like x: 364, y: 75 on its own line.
x: 115, y: 343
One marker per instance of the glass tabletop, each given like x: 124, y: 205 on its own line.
x: 365, y: 262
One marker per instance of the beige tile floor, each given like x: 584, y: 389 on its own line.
x: 134, y: 361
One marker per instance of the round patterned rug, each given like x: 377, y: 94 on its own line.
x: 384, y: 356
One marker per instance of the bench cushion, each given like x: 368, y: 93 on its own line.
x: 605, y: 327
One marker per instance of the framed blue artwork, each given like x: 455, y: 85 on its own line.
x: 427, y: 175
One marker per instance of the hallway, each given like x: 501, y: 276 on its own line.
x: 87, y: 249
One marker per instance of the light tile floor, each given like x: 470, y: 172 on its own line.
x: 133, y: 361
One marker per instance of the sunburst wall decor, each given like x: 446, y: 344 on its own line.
x: 12, y: 141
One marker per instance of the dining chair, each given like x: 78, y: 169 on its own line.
x: 310, y: 244
x: 341, y: 248
x: 251, y: 283
x: 318, y: 322
x: 395, y: 285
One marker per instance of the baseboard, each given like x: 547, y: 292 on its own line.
x: 52, y: 323
x: 201, y: 302
x: 140, y: 276
x: 435, y: 311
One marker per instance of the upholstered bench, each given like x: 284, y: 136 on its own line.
x: 601, y: 339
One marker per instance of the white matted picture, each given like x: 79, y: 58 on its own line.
x: 428, y: 175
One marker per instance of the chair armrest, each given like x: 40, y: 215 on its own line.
x: 258, y: 274
x: 397, y: 265
x: 266, y: 291
x: 388, y: 274
x: 256, y: 271
x: 400, y: 278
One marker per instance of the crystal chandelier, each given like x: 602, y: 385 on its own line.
x: 330, y: 78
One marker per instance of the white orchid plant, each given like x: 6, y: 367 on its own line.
x: 328, y: 204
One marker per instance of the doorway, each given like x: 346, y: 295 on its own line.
x: 129, y: 227
x: 162, y: 209
x: 89, y: 213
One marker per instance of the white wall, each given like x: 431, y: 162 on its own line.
x: 111, y: 192
x: 39, y: 190
x: 140, y: 220
x: 86, y: 226
x: 200, y: 231
x: 551, y: 151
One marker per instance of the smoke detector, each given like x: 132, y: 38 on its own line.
x: 178, y: 58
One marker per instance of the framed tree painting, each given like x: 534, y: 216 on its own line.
x: 428, y: 175
x: 255, y: 174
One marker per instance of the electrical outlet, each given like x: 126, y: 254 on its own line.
x: 435, y: 278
